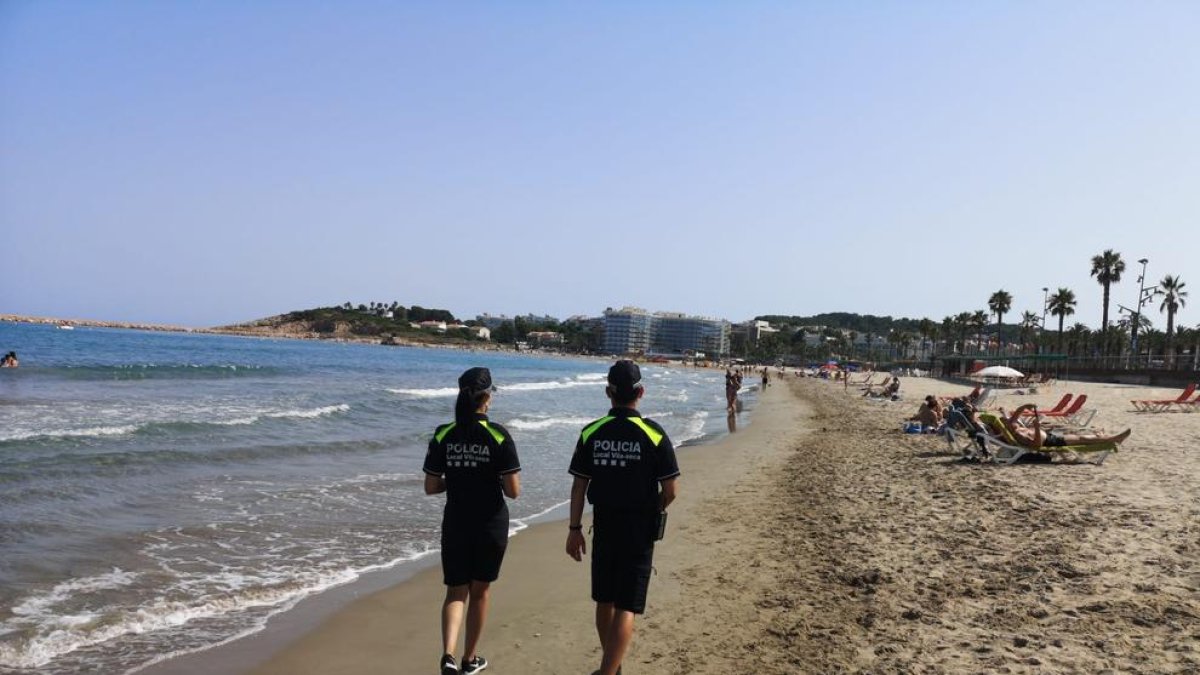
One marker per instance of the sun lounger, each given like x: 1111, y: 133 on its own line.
x: 1074, y: 415
x: 1062, y: 404
x: 1189, y: 406
x: 1163, y: 405
x: 961, y: 436
x: 867, y: 380
x: 1005, y: 449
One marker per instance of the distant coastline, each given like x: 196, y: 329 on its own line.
x: 261, y: 329
x: 93, y: 323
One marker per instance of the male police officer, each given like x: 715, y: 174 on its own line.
x: 619, y: 463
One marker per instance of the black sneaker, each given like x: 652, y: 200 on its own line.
x: 449, y: 665
x: 474, y: 665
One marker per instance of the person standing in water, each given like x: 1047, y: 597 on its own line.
x: 474, y: 461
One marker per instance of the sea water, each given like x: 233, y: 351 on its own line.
x: 162, y: 493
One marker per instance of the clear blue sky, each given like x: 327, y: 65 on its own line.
x: 211, y: 162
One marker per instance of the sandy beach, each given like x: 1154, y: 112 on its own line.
x: 821, y: 539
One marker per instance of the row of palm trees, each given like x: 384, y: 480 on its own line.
x: 1107, y: 268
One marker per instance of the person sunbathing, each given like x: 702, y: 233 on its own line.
x: 971, y: 398
x: 885, y: 392
x: 1036, y: 438
x: 929, y: 414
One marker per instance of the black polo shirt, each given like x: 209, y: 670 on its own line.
x: 624, y: 456
x: 472, y: 456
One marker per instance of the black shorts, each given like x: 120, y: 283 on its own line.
x: 622, y: 556
x: 1054, y: 441
x: 473, y: 551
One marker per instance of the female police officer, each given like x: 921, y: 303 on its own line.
x: 474, y: 461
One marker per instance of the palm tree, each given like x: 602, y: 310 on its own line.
x: 948, y: 331
x: 1171, y: 288
x: 979, y: 321
x: 904, y: 339
x: 1196, y: 348
x: 900, y: 339
x: 928, y: 330
x: 963, y: 321
x: 1152, y: 338
x: 1000, y: 303
x: 1029, y: 320
x: 1062, y: 305
x: 1107, y: 268
x: 1077, y: 338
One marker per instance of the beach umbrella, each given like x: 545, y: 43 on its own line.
x: 999, y: 371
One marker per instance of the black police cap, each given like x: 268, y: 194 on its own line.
x: 476, y: 380
x: 625, y: 375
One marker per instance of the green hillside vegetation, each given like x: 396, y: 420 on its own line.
x: 362, y: 321
x: 861, y: 323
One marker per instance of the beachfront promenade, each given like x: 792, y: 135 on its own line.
x: 821, y: 539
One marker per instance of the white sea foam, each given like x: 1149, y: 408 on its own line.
x: 124, y: 429
x: 38, y: 603
x: 299, y: 414
x: 443, y: 392
x: 70, y: 433
x: 557, y: 384
x: 582, y: 380
x: 53, y: 638
x: 693, y: 427
x: 311, y: 413
x: 547, y: 423
x: 515, y: 525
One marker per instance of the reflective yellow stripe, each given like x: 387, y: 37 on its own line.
x: 445, y: 430
x: 655, y: 437
x: 495, y: 434
x: 591, y: 428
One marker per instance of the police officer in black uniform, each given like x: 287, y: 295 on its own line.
x: 473, y: 460
x: 620, y: 463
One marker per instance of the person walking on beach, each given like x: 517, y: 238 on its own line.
x: 474, y: 461
x: 766, y: 378
x: 625, y: 466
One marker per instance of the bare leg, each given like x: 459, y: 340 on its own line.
x: 476, y: 613
x: 1088, y: 439
x: 620, y: 634
x: 452, y: 614
x: 604, y: 617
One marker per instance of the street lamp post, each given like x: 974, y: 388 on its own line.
x: 1137, y: 310
x: 1045, y: 305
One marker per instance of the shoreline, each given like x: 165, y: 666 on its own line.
x: 379, y: 616
x: 823, y: 539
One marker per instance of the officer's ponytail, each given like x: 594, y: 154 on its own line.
x: 474, y: 387
x: 468, y: 404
